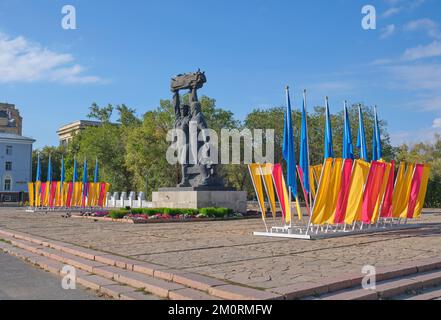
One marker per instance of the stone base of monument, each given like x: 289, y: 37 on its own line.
x: 200, y: 197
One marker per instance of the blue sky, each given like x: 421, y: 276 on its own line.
x: 126, y: 52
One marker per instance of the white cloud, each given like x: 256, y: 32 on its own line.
x: 397, y: 6
x: 427, y: 25
x: 419, y: 77
x: 436, y: 123
x: 387, y: 31
x: 24, y: 61
x: 391, y: 12
x: 426, y: 135
x: 423, y: 51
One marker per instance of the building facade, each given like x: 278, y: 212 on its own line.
x: 15, y: 166
x: 10, y: 119
x: 66, y: 132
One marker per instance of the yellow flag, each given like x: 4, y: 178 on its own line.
x: 91, y: 194
x: 64, y: 195
x: 422, y: 194
x: 258, y: 187
x: 319, y: 211
x: 57, y: 195
x: 37, y: 193
x: 266, y: 170
x: 398, y: 190
x: 31, y: 194
x: 46, y: 194
x: 334, y: 190
x: 355, y: 199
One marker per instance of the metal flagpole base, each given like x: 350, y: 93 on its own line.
x: 298, y: 233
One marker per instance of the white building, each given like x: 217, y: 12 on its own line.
x: 15, y: 166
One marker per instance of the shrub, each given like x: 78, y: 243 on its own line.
x: 118, y: 214
x: 179, y: 211
x: 217, y: 212
x: 137, y: 211
x: 152, y: 211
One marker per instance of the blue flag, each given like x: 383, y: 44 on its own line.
x: 329, y: 149
x: 304, y: 148
x: 85, y: 171
x: 288, y: 147
x: 348, y: 150
x: 85, y: 191
x: 75, y: 171
x: 377, y: 153
x: 96, y: 173
x: 49, y: 170
x: 62, y: 175
x: 361, y: 137
x: 38, y: 173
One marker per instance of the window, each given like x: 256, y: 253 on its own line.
x: 7, y: 184
x: 9, y: 150
x: 8, y: 166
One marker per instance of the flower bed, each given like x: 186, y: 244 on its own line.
x: 151, y: 215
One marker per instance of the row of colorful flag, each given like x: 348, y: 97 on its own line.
x: 63, y: 173
x: 345, y: 191
x: 303, y: 170
x: 57, y: 194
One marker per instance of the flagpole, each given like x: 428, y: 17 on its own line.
x: 307, y: 144
x: 289, y: 187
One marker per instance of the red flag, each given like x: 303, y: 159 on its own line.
x: 69, y: 195
x: 278, y: 182
x: 372, y: 190
x: 386, y: 210
x: 342, y: 201
x: 52, y: 194
x: 102, y: 194
x: 415, y: 189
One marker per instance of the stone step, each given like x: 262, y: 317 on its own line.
x: 67, y: 253
x: 432, y: 295
x: 352, y: 281
x: 389, y: 288
x: 114, y: 275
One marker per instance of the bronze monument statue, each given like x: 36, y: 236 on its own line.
x: 200, y: 174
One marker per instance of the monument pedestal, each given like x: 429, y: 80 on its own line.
x: 200, y: 197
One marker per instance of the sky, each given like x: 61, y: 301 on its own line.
x: 127, y: 51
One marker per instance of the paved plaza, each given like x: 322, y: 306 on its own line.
x: 228, y: 250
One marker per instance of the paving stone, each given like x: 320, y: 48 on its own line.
x: 429, y: 264
x: 228, y: 251
x: 386, y: 273
x: 108, y: 259
x: 137, y: 295
x: 233, y: 292
x: 115, y: 290
x: 81, y: 252
x: 395, y: 287
x: 197, y: 281
x: 107, y: 271
x: 189, y: 294
x: 94, y: 282
x: 165, y: 274
x: 358, y: 294
x: 84, y: 264
x: 146, y: 268
x: 427, y: 296
x: 157, y: 287
x: 299, y: 290
x: 429, y: 279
